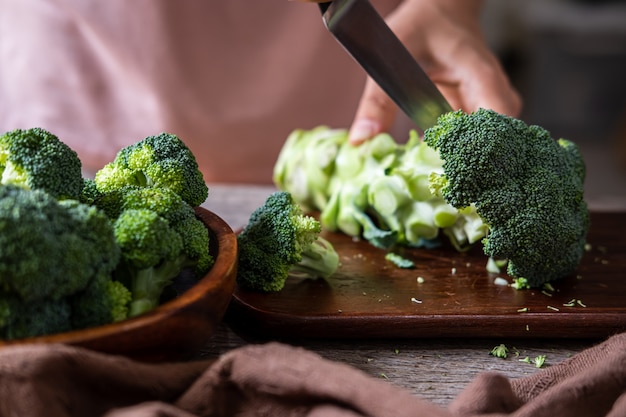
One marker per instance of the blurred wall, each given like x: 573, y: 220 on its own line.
x: 568, y: 60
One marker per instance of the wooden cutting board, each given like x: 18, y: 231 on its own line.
x: 368, y: 297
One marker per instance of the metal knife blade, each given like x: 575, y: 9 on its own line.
x: 363, y: 33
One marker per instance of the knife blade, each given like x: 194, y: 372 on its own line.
x: 363, y: 33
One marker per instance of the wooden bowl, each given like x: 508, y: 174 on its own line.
x: 176, y: 329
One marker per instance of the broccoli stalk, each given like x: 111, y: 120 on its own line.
x: 280, y: 240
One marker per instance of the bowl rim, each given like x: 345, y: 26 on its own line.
x: 220, y: 272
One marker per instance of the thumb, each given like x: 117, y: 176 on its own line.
x: 375, y: 113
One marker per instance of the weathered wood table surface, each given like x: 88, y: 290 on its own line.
x: 433, y: 369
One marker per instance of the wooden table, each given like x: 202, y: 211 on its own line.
x: 433, y: 369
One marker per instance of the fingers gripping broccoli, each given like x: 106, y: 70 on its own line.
x: 527, y: 187
x: 279, y: 240
x: 163, y: 161
x: 37, y: 159
x: 54, y: 254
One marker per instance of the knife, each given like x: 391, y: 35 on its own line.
x: 363, y: 33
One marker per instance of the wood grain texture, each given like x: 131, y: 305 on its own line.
x: 369, y: 297
x: 434, y: 369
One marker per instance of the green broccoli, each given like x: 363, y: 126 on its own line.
x: 19, y: 319
x: 89, y: 192
x: 53, y: 252
x: 378, y: 190
x: 306, y: 164
x: 159, y: 236
x: 37, y: 159
x: 525, y: 186
x: 280, y: 240
x: 163, y: 161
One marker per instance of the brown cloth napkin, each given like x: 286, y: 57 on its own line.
x: 279, y: 380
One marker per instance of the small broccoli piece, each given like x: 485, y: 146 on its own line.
x: 399, y: 260
x: 52, y: 252
x: 500, y: 351
x: 280, y: 240
x: 159, y: 236
x: 162, y: 161
x: 36, y: 159
x: 346, y: 212
x: 527, y: 187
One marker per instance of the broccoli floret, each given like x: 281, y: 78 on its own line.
x: 51, y: 249
x: 280, y: 240
x: 52, y: 252
x: 163, y: 161
x: 37, y: 159
x: 526, y: 186
x: 103, y: 301
x: 19, y: 320
x: 159, y: 236
x: 89, y: 193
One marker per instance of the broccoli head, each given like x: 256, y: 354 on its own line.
x: 53, y: 253
x: 37, y: 159
x: 526, y: 186
x: 279, y: 240
x: 51, y: 249
x: 162, y: 161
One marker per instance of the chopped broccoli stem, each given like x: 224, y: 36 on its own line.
x: 399, y: 260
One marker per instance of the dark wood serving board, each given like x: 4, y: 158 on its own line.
x: 368, y: 297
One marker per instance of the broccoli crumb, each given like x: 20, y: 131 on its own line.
x: 496, y: 266
x: 500, y: 351
x: 399, y: 261
x: 500, y: 281
x: 520, y: 283
x: 539, y: 361
x: 574, y: 302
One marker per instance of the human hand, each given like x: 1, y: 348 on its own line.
x: 445, y: 38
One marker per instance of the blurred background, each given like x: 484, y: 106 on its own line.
x: 567, y: 58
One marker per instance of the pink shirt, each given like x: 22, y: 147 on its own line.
x: 231, y: 78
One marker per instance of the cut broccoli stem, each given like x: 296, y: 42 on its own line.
x: 318, y: 260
